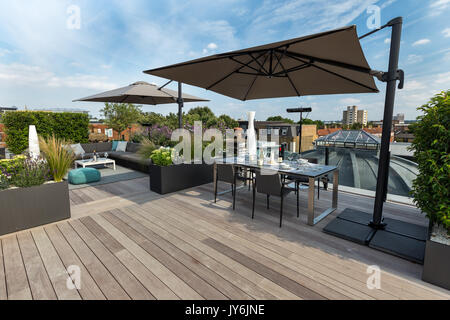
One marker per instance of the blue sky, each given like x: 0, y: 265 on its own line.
x: 45, y: 64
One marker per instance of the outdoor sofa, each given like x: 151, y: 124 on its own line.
x: 129, y: 159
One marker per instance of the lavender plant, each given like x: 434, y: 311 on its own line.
x: 32, y: 172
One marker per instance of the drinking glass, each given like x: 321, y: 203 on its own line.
x: 106, y: 155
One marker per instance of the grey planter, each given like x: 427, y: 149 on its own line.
x: 26, y: 208
x: 436, y: 268
x: 179, y: 177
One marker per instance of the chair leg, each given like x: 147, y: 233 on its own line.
x: 281, y: 211
x: 215, y: 193
x: 234, y: 196
x: 253, y: 210
x: 298, y: 205
x: 318, y: 188
x: 268, y: 196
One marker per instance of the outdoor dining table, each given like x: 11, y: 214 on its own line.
x: 295, y: 169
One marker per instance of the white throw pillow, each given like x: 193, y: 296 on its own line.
x: 122, y: 146
x: 77, y: 149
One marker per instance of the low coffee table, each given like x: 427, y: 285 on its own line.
x: 91, y: 162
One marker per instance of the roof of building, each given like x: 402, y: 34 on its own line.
x: 358, y: 139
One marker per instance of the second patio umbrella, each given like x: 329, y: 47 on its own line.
x: 144, y: 93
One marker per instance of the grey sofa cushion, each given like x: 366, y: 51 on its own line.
x: 98, y: 147
x: 133, y: 147
x: 128, y: 156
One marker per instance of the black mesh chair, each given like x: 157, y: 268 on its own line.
x: 228, y: 173
x: 272, y: 185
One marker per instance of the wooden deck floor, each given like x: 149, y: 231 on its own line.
x: 130, y: 243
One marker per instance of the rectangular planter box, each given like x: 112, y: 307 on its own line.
x: 179, y: 177
x: 436, y: 268
x: 26, y: 208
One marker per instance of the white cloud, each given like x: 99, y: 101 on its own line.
x: 440, y: 4
x: 303, y: 15
x: 414, y: 58
x: 387, y: 40
x: 4, y: 52
x: 421, y: 42
x: 106, y: 66
x: 349, y: 101
x: 387, y: 3
x: 212, y: 46
x: 22, y: 75
x: 446, y: 32
x: 443, y: 78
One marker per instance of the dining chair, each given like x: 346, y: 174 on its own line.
x: 228, y: 173
x: 271, y: 185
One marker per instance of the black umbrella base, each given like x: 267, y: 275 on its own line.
x: 403, y: 239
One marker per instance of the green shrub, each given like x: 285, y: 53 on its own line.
x: 9, y: 166
x: 4, y: 180
x: 66, y: 125
x: 162, y: 157
x: 431, y: 188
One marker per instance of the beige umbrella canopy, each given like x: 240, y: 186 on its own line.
x: 325, y: 63
x: 141, y: 93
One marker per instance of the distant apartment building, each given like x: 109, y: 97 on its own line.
x: 399, y: 118
x: 352, y: 115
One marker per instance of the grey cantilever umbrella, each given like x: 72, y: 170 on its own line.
x: 144, y: 93
x: 325, y: 63
x: 330, y: 62
x: 141, y: 93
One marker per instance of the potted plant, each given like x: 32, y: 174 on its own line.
x: 166, y: 177
x: 32, y: 190
x: 431, y: 188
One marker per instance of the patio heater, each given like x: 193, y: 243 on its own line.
x: 393, y: 236
x: 301, y: 111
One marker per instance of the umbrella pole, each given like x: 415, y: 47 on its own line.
x: 383, y: 166
x: 180, y: 105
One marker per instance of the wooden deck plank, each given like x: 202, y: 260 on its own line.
x: 16, y: 277
x: 318, y: 274
x: 185, y: 232
x: 321, y: 286
x: 102, y: 276
x: 194, y: 281
x: 155, y: 286
x: 3, y: 294
x: 190, y: 246
x: 127, y: 281
x: 55, y: 268
x: 344, y: 248
x: 284, y: 231
x: 39, y: 281
x: 89, y: 289
x: 183, y: 244
x: 170, y: 279
x: 194, y: 264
